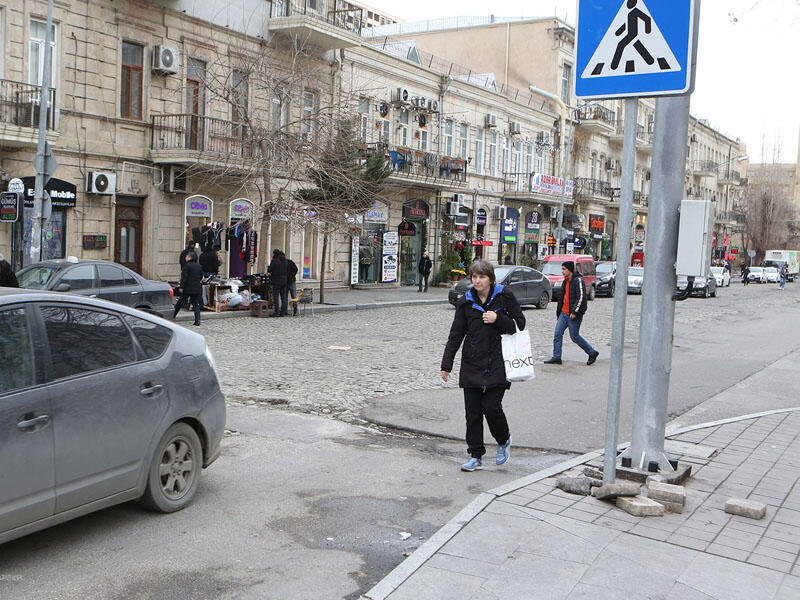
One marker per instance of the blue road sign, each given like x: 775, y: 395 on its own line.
x: 629, y: 48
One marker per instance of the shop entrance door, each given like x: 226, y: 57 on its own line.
x: 128, y: 233
x: 410, y: 253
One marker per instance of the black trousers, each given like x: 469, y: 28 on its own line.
x: 280, y: 292
x: 422, y: 278
x: 193, y: 300
x: 479, y: 403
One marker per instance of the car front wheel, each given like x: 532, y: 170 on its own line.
x: 543, y: 301
x: 591, y: 294
x: 174, y: 472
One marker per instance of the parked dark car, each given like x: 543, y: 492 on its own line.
x: 99, y: 279
x: 99, y: 404
x: 529, y: 285
x: 703, y: 286
x: 606, y: 272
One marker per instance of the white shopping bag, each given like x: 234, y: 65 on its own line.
x: 517, y: 356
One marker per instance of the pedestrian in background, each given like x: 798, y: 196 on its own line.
x: 278, y: 276
x: 424, y: 269
x: 486, y: 311
x: 185, y: 253
x: 291, y: 282
x: 191, y: 286
x: 507, y: 260
x: 7, y: 276
x: 745, y: 274
x: 570, y: 308
x: 210, y: 262
x: 784, y: 275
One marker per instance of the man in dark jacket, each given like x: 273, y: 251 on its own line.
x: 191, y: 286
x: 279, y: 276
x: 7, y: 276
x: 186, y: 252
x: 291, y: 281
x: 570, y: 307
x: 210, y: 263
x: 424, y: 269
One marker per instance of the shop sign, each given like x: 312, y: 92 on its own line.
x: 481, y: 243
x: 95, y: 241
x: 389, y: 264
x: 531, y: 238
x: 570, y: 247
x: 550, y: 185
x: 480, y: 217
x: 638, y: 235
x: 354, y: 248
x: 580, y: 243
x: 62, y: 193
x: 198, y: 206
x: 407, y: 228
x: 417, y: 210
x: 377, y: 213
x: 10, y: 207
x: 533, y: 221
x: 510, y: 226
x: 242, y: 209
x: 597, y: 223
x: 551, y: 241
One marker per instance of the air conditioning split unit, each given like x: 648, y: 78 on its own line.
x: 401, y: 95
x: 433, y: 106
x: 166, y: 59
x: 453, y: 209
x: 514, y: 128
x: 491, y: 120
x: 175, y: 180
x: 101, y: 183
x: 499, y: 212
x: 543, y: 137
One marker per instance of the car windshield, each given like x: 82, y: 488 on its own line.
x: 604, y: 268
x: 501, y: 273
x: 36, y: 277
x: 755, y: 269
x: 552, y: 267
x: 636, y: 271
x: 771, y: 270
x: 716, y: 270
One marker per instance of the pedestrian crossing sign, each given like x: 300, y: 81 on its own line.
x: 630, y: 48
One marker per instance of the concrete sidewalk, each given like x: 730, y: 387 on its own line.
x: 529, y: 540
x: 338, y: 299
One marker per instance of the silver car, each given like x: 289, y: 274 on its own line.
x: 99, y: 404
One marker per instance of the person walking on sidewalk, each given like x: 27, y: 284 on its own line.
x: 424, y: 268
x: 291, y: 282
x: 185, y: 254
x: 745, y: 274
x: 784, y: 275
x: 570, y: 308
x: 191, y: 286
x: 278, y: 275
x: 486, y: 311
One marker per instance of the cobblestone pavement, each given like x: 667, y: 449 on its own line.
x: 331, y: 363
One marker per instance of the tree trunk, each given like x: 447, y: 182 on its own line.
x: 322, y: 267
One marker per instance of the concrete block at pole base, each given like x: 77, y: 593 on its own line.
x: 640, y: 506
x: 575, y: 485
x: 672, y: 507
x: 746, y: 508
x: 614, y: 490
x: 666, y: 492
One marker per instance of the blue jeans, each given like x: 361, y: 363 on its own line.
x: 574, y: 326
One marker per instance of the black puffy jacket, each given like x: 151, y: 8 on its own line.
x: 577, y: 296
x: 278, y: 270
x: 482, y: 354
x: 192, y: 278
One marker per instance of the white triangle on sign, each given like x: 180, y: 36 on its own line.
x: 642, y: 51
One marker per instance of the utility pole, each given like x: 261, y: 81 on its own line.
x: 44, y: 162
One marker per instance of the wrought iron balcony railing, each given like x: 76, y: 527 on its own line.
x: 20, y: 102
x: 586, y: 186
x: 596, y: 113
x: 420, y: 164
x: 336, y: 12
x: 203, y: 134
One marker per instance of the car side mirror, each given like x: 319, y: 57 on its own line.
x: 62, y: 287
x: 514, y: 280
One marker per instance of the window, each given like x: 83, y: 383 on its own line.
x: 480, y: 136
x: 403, y: 128
x: 16, y: 350
x: 462, y: 140
x: 518, y: 157
x: 309, y: 110
x: 239, y: 102
x: 110, y: 276
x: 566, y: 83
x: 594, y: 166
x: 79, y: 278
x: 493, y: 154
x: 448, y: 138
x: 83, y: 340
x: 506, y: 154
x: 280, y: 109
x: 422, y: 144
x: 363, y: 119
x: 195, y: 103
x: 385, y: 132
x: 153, y: 338
x: 36, y: 58
x: 130, y: 102
x: 540, y: 160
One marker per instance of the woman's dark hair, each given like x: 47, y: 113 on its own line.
x: 482, y: 267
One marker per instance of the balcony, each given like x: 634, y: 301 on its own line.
x: 596, y: 119
x: 704, y: 168
x: 193, y: 139
x: 730, y: 217
x: 730, y: 177
x: 593, y: 189
x: 327, y: 24
x: 427, y: 169
x: 644, y: 139
x: 19, y: 115
x: 536, y: 186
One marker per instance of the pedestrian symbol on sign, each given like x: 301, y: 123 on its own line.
x: 632, y: 45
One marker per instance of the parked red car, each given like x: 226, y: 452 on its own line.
x: 584, y: 265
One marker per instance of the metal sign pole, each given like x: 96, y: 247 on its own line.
x: 658, y: 307
x: 621, y: 289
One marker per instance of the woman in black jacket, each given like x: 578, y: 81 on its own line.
x: 7, y: 276
x: 485, y: 312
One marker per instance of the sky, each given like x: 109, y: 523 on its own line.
x: 747, y: 81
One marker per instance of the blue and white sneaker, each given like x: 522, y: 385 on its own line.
x: 503, y: 452
x: 473, y: 464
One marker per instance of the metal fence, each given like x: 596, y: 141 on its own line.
x: 336, y: 12
x: 596, y: 113
x: 417, y: 163
x: 20, y: 102
x: 205, y: 134
x: 586, y: 186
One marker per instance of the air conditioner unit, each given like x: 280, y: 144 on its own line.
x: 461, y: 221
x: 553, y: 212
x: 175, y: 180
x: 543, y: 137
x: 499, y: 212
x: 422, y: 102
x: 491, y: 120
x: 101, y: 183
x: 401, y: 95
x: 611, y: 164
x: 433, y: 106
x: 166, y: 59
x: 453, y: 209
x: 514, y: 128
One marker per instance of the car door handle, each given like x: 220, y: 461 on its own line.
x: 92, y: 295
x: 31, y: 423
x: 151, y: 389
x: 134, y: 293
